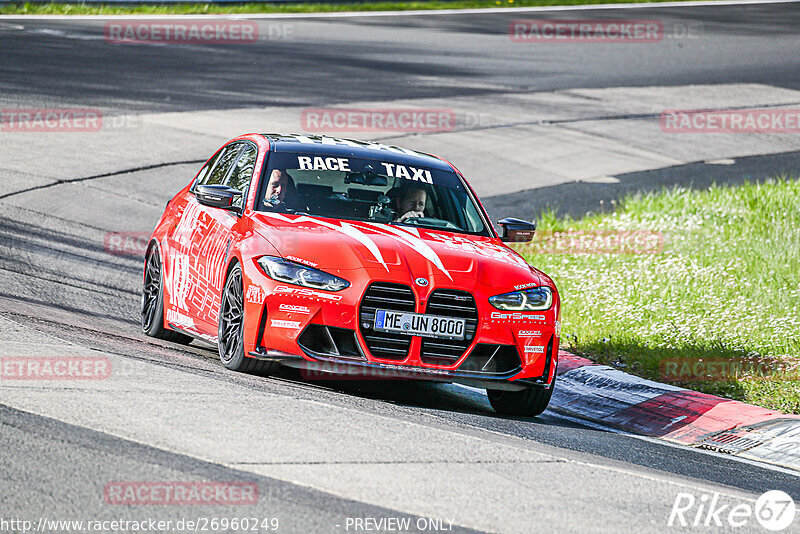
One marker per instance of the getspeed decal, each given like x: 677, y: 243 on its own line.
x: 516, y: 316
x: 305, y: 292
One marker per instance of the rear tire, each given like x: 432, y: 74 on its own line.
x: 528, y: 402
x: 231, y: 329
x: 153, y: 302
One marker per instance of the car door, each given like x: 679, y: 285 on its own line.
x: 216, y: 252
x: 199, y: 246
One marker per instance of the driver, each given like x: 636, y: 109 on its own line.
x: 280, y: 191
x: 410, y: 202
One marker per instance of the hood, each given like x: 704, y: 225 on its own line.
x: 392, y: 252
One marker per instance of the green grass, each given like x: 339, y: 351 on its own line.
x: 283, y: 7
x: 725, y: 286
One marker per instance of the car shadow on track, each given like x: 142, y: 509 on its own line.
x: 440, y: 397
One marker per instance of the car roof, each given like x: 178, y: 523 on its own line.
x: 322, y: 144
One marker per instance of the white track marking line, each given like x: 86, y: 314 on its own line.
x: 429, y: 12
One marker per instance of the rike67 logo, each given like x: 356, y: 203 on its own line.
x: 773, y: 511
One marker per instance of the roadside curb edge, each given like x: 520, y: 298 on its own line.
x: 609, y: 396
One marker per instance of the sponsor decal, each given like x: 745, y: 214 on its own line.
x: 293, y: 308
x: 318, y: 163
x: 526, y: 286
x: 55, y: 368
x: 278, y: 323
x: 196, y: 276
x: 731, y: 121
x: 183, y: 32
x: 306, y: 292
x: 529, y: 333
x: 255, y: 295
x: 295, y: 259
x: 585, y: 31
x: 377, y: 120
x: 179, y: 319
x: 516, y: 316
x: 179, y: 493
x: 534, y: 349
x: 558, y: 329
x: 408, y: 173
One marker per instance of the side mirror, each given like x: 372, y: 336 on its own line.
x: 517, y: 230
x: 217, y: 196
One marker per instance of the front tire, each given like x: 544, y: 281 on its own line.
x: 528, y: 402
x: 153, y: 301
x: 231, y: 329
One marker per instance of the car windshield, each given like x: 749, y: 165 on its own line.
x: 342, y: 187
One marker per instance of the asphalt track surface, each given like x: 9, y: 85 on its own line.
x: 326, y: 61
x: 58, y: 282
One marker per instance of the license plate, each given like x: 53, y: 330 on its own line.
x: 415, y: 324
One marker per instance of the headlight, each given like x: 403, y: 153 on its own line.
x: 537, y: 298
x: 301, y: 275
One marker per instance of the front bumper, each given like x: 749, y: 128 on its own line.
x: 333, y: 367
x: 326, y: 333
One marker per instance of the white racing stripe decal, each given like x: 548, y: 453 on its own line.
x: 346, y: 229
x: 413, y: 241
x: 409, y: 237
x: 357, y: 234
